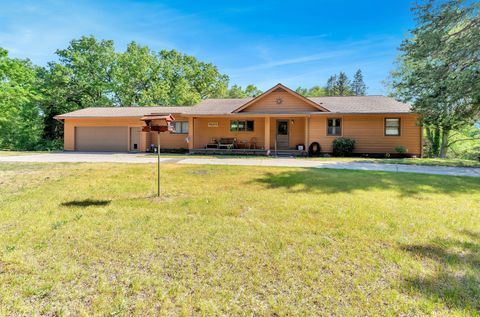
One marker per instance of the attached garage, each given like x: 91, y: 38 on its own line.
x: 101, y: 139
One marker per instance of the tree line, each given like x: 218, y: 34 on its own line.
x: 88, y: 73
x: 338, y: 85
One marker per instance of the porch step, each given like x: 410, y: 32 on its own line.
x: 287, y: 153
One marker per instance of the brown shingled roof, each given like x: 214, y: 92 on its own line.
x: 218, y: 106
x: 362, y: 104
x: 120, y: 112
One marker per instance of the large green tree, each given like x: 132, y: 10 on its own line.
x: 358, y: 87
x: 439, y: 69
x: 20, y: 115
x: 89, y: 72
x: 237, y: 91
x: 343, y: 85
x: 315, y: 91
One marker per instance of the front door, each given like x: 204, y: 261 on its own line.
x: 282, y: 135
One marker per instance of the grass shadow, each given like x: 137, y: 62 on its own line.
x: 85, y: 203
x: 456, y: 277
x: 333, y: 181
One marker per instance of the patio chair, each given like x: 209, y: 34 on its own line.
x: 253, y: 143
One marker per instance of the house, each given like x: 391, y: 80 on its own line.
x: 279, y: 119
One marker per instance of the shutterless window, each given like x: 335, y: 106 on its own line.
x: 334, y: 126
x: 241, y: 125
x: 392, y: 126
x: 181, y: 127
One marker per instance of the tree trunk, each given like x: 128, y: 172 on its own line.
x: 444, y: 145
x: 436, y: 142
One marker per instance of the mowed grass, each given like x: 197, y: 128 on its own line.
x: 91, y: 239
x: 405, y: 161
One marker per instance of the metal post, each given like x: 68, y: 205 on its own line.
x: 158, y: 164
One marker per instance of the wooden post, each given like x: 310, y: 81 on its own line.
x: 267, y: 134
x: 190, y: 133
x: 158, y: 164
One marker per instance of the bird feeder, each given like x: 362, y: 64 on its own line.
x: 159, y: 124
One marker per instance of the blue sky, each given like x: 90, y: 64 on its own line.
x: 297, y: 43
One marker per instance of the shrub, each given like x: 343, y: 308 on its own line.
x: 343, y: 146
x: 401, y: 149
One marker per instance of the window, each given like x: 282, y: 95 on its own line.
x: 392, y: 126
x: 241, y: 125
x: 334, y: 126
x: 181, y: 127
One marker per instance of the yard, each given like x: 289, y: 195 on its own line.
x: 91, y: 239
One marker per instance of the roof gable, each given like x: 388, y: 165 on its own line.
x: 280, y: 99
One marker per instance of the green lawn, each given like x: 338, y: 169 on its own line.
x: 90, y: 239
x: 20, y: 153
x: 407, y: 161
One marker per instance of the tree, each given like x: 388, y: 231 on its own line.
x: 20, y: 115
x: 358, y: 87
x: 137, y: 78
x: 315, y: 91
x: 83, y: 77
x: 188, y: 80
x: 343, y: 85
x: 237, y: 91
x: 439, y: 70
x: 252, y: 91
x: 331, y: 87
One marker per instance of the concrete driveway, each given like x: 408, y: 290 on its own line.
x: 137, y: 158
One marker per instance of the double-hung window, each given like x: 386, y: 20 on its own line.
x: 334, y: 126
x: 392, y: 126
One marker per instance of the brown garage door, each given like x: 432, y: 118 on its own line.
x: 101, y: 139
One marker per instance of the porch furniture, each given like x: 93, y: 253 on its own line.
x: 244, y: 144
x: 253, y: 143
x: 213, y: 144
x: 226, y: 143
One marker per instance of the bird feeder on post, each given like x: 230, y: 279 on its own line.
x: 158, y: 124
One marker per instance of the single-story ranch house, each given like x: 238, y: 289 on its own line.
x: 279, y: 119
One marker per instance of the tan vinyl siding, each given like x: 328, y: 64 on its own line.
x: 290, y: 103
x: 368, y: 131
x: 203, y: 134
x: 170, y: 141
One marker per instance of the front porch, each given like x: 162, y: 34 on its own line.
x: 242, y: 135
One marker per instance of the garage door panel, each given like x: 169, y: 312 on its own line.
x: 101, y: 139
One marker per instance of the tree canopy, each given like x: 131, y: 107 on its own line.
x: 439, y: 69
x: 90, y: 72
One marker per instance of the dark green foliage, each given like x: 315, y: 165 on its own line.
x: 237, y: 91
x: 20, y: 115
x: 358, y: 87
x: 439, y: 69
x: 342, y: 85
x: 90, y: 73
x: 343, y: 146
x: 315, y: 91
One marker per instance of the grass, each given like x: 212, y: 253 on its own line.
x: 91, y: 239
x: 406, y: 161
x: 20, y: 153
